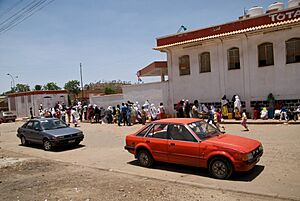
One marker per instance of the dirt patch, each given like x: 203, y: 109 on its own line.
x: 23, y: 178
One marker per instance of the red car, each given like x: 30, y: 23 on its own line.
x: 193, y: 142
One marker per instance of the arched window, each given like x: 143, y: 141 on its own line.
x: 292, y: 50
x: 184, y: 65
x: 265, y: 54
x: 233, y: 56
x: 204, y: 62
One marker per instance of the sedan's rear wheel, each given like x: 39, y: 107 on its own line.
x: 47, y: 145
x: 145, y: 158
x: 220, y: 168
x: 24, y: 141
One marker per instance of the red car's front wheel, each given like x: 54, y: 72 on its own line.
x: 220, y: 168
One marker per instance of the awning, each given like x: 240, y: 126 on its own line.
x: 157, y: 68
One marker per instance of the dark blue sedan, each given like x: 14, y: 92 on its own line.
x: 49, y: 132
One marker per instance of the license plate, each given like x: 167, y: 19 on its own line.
x: 71, y: 141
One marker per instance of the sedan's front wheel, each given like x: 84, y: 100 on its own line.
x: 220, y: 168
x: 47, y: 145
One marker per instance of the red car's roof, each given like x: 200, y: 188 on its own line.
x: 177, y: 120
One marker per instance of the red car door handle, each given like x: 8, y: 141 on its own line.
x: 172, y: 144
x: 147, y: 141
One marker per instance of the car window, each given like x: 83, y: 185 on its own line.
x: 29, y: 125
x: 36, y: 125
x: 203, y: 130
x: 180, y: 132
x: 144, y: 131
x: 159, y: 131
x: 50, y: 124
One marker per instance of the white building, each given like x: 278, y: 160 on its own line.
x: 20, y: 103
x: 251, y: 57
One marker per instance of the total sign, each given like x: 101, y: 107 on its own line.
x: 285, y: 16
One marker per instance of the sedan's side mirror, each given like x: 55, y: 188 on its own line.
x: 37, y: 129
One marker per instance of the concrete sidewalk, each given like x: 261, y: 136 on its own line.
x: 260, y: 121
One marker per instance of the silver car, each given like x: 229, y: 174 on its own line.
x: 49, y: 132
x: 7, y: 116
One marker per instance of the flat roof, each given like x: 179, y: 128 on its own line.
x: 248, y: 24
x: 28, y: 93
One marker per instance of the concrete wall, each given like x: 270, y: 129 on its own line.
x: 108, y: 100
x: 154, y: 92
x: 23, y: 103
x: 250, y: 82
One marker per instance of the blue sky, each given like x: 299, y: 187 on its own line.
x: 112, y: 39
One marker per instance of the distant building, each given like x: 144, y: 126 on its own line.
x: 20, y: 103
x: 251, y: 57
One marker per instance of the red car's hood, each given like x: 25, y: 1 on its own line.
x: 234, y: 142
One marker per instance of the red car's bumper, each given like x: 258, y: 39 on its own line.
x: 244, y: 166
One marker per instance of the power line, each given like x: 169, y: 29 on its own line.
x: 29, y: 12
x: 19, y: 17
x: 9, y: 9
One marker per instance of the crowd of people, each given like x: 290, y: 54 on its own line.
x: 128, y: 113
x: 125, y: 114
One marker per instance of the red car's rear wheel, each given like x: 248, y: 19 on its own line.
x: 145, y: 158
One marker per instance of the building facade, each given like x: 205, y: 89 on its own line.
x: 251, y: 57
x: 20, y: 103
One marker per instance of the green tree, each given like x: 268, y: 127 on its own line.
x: 51, y: 86
x: 21, y: 88
x: 38, y: 87
x: 73, y: 87
x: 109, y: 90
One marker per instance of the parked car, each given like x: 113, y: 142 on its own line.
x: 7, y: 116
x: 50, y: 132
x: 193, y: 142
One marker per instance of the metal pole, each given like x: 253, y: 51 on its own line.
x: 81, y: 82
x: 13, y: 81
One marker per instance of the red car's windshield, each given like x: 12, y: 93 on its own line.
x: 203, y: 130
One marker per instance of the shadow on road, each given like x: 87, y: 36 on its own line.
x: 57, y: 149
x: 244, y: 176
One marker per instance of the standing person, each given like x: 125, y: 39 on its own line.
x: 224, y: 104
x: 75, y: 116
x: 97, y: 114
x: 271, y: 101
x: 218, y: 118
x: 180, y: 113
x: 210, y: 116
x: 85, y: 112
x: 237, y: 108
x: 31, y: 113
x: 63, y: 115
x: 68, y: 111
x: 91, y: 113
x: 161, y: 111
x: 143, y: 115
x: 128, y: 115
x: 187, y: 109
x: 153, y: 112
x: 124, y: 113
x: 195, y: 109
x: 244, y: 120
x: 118, y: 115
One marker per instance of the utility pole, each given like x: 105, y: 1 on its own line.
x: 81, y: 82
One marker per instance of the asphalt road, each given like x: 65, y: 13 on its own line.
x: 276, y: 175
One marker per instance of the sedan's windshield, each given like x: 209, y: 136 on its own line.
x: 50, y: 124
x: 203, y: 130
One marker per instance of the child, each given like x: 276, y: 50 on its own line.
x: 244, y: 120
